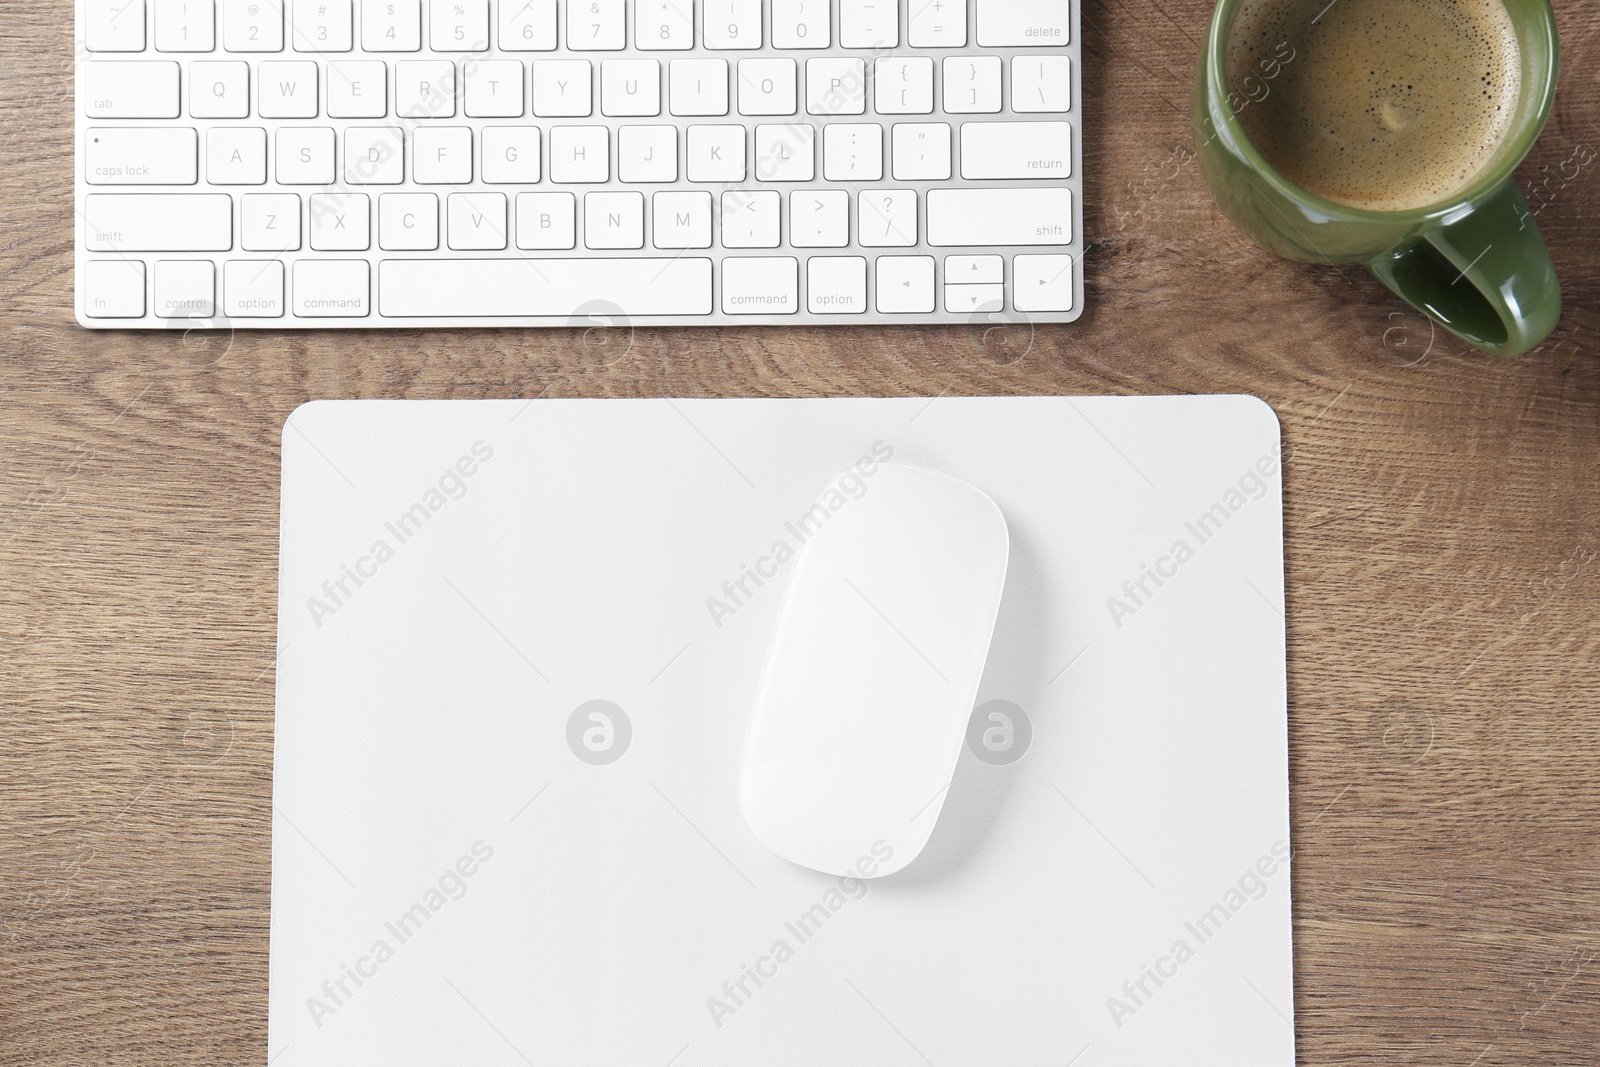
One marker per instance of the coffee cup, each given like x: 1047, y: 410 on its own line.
x: 1392, y: 145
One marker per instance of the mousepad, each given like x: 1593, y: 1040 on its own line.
x: 518, y: 645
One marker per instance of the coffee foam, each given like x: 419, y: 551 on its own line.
x: 1386, y: 104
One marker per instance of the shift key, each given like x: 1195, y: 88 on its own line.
x: 984, y: 217
x: 158, y: 222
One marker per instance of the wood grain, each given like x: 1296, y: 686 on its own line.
x: 1444, y: 578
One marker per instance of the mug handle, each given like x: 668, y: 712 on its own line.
x: 1484, y: 275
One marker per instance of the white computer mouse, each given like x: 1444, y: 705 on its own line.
x: 872, y: 670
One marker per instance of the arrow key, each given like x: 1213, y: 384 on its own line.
x: 1042, y: 283
x: 974, y: 270
x: 905, y: 285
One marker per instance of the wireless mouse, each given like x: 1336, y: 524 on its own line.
x: 873, y: 668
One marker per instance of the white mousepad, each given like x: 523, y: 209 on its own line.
x: 518, y: 645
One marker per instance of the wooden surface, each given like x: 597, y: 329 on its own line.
x: 1444, y: 579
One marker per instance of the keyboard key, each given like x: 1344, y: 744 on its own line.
x: 477, y: 221
x: 305, y: 155
x: 786, y: 153
x: 682, y: 219
x: 441, y: 155
x: 836, y: 285
x: 903, y: 86
x: 750, y: 219
x: 1042, y: 283
x: 715, y: 154
x: 185, y: 289
x: 547, y: 221
x: 972, y: 85
x: 760, y: 286
x: 836, y: 86
x: 938, y: 24
x: 459, y: 25
x: 527, y: 25
x: 142, y: 156
x: 852, y: 152
x: 322, y: 26
x: 332, y: 288
x: 495, y: 89
x: 974, y: 270
x: 391, y: 25
x: 664, y: 25
x: 1041, y: 83
x: 358, y: 89
x: 801, y: 24
x: 1016, y: 149
x: 113, y: 26
x: 596, y: 25
x: 869, y: 23
x: 613, y: 220
x: 1035, y: 216
x: 374, y: 155
x: 113, y: 289
x: 340, y: 222
x: 647, y: 154
x: 921, y: 151
x: 116, y: 89
x: 697, y: 87
x: 1010, y: 23
x: 511, y: 155
x: 562, y: 88
x: 185, y: 25
x: 888, y: 219
x: 116, y: 221
x: 236, y: 155
x: 819, y: 219
x: 269, y: 222
x: 630, y: 87
x: 580, y: 154
x: 732, y: 24
x: 287, y: 90
x: 252, y: 289
x: 767, y: 86
x: 905, y: 285
x: 972, y: 299
x: 252, y: 25
x: 542, y: 287
x: 219, y: 89
x: 425, y: 88
x: 408, y: 222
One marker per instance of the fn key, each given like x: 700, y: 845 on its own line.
x: 113, y: 289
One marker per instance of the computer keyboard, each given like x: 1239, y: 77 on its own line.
x: 371, y: 163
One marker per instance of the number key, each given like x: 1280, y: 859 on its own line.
x: 391, y: 25
x: 733, y: 24
x: 596, y: 25
x: 527, y: 25
x: 459, y: 26
x: 664, y: 25
x: 252, y: 26
x: 185, y: 26
x: 322, y: 25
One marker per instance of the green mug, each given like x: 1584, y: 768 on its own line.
x: 1476, y: 264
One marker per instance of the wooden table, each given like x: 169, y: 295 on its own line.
x: 1444, y: 579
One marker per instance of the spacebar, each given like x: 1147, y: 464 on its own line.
x: 566, y: 288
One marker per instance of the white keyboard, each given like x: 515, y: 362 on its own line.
x: 365, y: 163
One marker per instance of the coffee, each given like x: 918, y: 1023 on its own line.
x: 1385, y: 105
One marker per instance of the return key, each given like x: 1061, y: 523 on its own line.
x: 1016, y: 150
